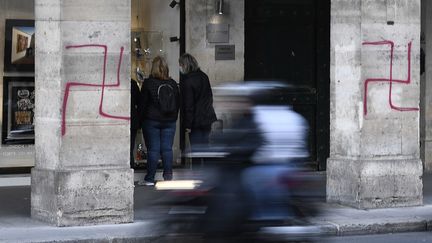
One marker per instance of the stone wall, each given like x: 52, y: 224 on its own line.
x: 199, y: 13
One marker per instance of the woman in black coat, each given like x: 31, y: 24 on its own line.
x: 135, y: 118
x: 197, y: 105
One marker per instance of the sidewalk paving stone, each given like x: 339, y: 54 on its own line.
x: 17, y: 226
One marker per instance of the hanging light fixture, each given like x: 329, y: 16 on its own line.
x: 173, y: 3
x: 220, y: 7
x: 174, y: 39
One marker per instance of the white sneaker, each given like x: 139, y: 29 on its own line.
x: 145, y: 183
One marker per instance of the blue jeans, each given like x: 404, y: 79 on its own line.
x: 159, y: 138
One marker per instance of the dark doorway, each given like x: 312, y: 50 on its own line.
x: 289, y: 40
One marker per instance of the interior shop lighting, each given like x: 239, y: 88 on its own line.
x: 177, y: 185
x: 220, y: 7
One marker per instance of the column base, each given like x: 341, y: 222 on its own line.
x: 367, y: 184
x: 82, y: 197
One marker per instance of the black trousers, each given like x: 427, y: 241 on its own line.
x: 133, y: 133
x: 199, y: 140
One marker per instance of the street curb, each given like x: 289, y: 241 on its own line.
x: 335, y: 229
x: 143, y: 239
x: 327, y: 229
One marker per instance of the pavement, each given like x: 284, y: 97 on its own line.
x: 156, y: 222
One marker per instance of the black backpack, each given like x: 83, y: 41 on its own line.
x: 167, y: 98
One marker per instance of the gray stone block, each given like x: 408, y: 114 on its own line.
x: 118, y: 10
x: 114, y: 34
x: 82, y: 197
x: 48, y: 36
x: 47, y: 10
x: 428, y: 156
x: 382, y: 227
x: 375, y: 183
x: 96, y: 144
x: 48, y: 142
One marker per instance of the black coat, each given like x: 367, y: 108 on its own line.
x: 240, y: 140
x: 149, y: 100
x: 136, y: 109
x: 197, y: 97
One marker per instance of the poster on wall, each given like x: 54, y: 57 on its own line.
x: 19, y: 45
x: 18, y: 110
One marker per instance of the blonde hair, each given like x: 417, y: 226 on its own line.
x: 160, y: 69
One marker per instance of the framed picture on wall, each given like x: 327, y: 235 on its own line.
x: 19, y: 45
x: 18, y: 110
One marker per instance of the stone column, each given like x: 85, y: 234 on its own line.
x: 374, y: 144
x: 428, y: 88
x: 82, y: 174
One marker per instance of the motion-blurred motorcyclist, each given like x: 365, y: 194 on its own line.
x: 260, y: 145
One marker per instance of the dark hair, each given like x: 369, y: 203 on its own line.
x: 188, y: 62
x: 160, y: 69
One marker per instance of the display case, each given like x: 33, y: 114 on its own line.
x: 146, y: 45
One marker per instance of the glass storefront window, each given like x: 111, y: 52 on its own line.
x: 17, y: 85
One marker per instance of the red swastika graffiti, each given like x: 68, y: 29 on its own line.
x: 390, y: 80
x: 69, y: 85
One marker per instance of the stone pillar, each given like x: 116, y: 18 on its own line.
x: 374, y: 143
x: 82, y: 174
x: 428, y: 87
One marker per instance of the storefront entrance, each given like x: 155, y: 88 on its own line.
x: 289, y: 40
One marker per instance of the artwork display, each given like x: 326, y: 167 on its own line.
x: 19, y: 45
x: 146, y: 45
x: 18, y: 110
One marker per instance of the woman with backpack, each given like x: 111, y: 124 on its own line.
x: 160, y: 103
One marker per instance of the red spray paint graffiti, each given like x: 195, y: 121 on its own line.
x: 103, y: 85
x: 389, y: 80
